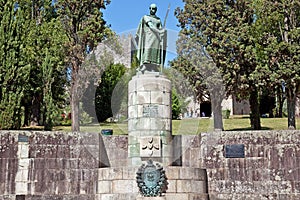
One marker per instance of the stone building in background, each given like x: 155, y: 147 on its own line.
x: 120, y: 51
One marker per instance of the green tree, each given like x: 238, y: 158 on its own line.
x: 278, y: 37
x: 103, y: 97
x: 85, y: 27
x: 53, y: 81
x: 223, y: 29
x: 37, y: 76
x: 181, y: 90
x: 14, y: 70
x: 176, y: 105
x: 46, y: 87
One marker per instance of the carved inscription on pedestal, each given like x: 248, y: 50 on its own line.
x: 150, y: 110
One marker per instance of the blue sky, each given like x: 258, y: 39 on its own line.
x: 124, y: 17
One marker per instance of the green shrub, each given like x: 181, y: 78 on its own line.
x: 226, y: 114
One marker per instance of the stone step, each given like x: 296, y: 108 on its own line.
x: 182, y: 182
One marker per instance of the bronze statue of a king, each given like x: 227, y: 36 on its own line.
x: 151, y: 38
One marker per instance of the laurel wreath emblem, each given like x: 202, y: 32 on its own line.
x: 151, y: 179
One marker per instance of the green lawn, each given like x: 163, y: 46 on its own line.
x: 193, y: 126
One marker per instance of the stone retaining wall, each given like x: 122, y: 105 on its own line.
x: 270, y: 168
x: 48, y: 165
x: 66, y: 166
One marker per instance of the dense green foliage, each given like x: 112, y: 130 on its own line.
x: 14, y: 69
x: 176, y: 105
x: 104, y: 102
x: 32, y: 71
x: 277, y: 39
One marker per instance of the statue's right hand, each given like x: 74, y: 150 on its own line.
x: 162, y: 32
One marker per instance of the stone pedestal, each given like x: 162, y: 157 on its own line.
x: 151, y: 198
x: 150, y: 119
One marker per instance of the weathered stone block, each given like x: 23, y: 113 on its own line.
x: 22, y: 175
x: 174, y: 196
x: 23, y: 151
x: 172, y: 186
x: 129, y: 173
x: 198, y: 197
x: 134, y: 150
x: 143, y: 97
x: 2, y: 188
x: 104, y: 187
x: 132, y: 98
x: 151, y: 198
x: 255, y: 163
x: 63, y: 187
x: 8, y: 150
x: 172, y: 172
x: 110, y: 174
x: 124, y: 186
x: 21, y: 187
x: 184, y: 186
x: 105, y: 197
x: 198, y: 187
x: 144, y: 124
x: 133, y: 112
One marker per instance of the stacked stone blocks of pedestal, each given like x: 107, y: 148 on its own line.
x: 150, y: 118
x: 269, y: 170
x: 184, y: 183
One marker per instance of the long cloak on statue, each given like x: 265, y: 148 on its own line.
x: 151, y: 45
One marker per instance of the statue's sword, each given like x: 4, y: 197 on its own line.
x: 162, y: 40
x: 166, y: 16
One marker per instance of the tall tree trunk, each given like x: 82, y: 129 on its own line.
x: 271, y: 114
x: 216, y: 101
x: 280, y: 100
x: 75, y: 102
x: 254, y: 106
x: 291, y: 106
x: 48, y: 122
x: 88, y: 100
x: 26, y: 114
x: 291, y: 90
x: 35, y: 110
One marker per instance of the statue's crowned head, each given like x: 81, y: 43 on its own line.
x: 153, y: 9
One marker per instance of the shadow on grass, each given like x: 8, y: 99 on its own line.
x: 32, y: 128
x: 248, y: 129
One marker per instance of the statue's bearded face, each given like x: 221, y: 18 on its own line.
x: 153, y: 9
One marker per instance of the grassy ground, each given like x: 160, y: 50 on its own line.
x: 193, y: 126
